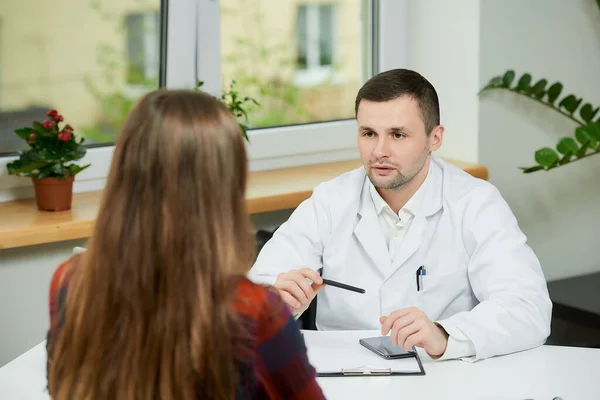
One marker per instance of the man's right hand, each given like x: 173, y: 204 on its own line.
x: 296, y: 291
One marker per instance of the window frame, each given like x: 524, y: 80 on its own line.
x: 187, y: 58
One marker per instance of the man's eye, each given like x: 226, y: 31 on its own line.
x: 399, y: 135
x: 368, y: 134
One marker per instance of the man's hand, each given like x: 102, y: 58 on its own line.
x: 411, y: 327
x: 295, y: 290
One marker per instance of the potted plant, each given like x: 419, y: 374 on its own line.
x: 52, y: 148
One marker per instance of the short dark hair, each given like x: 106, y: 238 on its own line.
x: 395, y: 83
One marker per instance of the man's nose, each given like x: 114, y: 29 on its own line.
x: 382, y: 149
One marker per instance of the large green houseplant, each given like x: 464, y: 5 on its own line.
x: 53, y: 147
x: 585, y: 140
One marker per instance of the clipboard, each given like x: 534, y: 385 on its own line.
x: 339, y: 354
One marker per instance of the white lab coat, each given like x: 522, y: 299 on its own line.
x: 481, y: 276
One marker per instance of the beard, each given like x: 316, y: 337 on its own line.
x: 397, y: 179
x: 391, y: 182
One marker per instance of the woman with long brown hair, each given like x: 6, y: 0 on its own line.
x: 158, y: 307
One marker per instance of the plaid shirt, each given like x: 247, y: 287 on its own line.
x: 279, y: 368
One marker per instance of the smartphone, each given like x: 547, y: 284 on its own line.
x: 383, y: 347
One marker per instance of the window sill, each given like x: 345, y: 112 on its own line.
x: 23, y: 225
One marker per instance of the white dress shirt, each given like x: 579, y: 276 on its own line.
x: 394, y: 227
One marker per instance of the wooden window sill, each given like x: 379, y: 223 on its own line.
x: 23, y: 225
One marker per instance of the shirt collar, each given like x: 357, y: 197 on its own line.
x: 412, y: 205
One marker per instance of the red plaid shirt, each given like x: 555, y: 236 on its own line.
x: 279, y: 368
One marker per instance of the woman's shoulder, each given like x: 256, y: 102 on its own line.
x: 64, y: 273
x: 60, y: 282
x: 254, y: 301
x: 59, y: 274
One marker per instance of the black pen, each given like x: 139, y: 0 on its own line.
x: 343, y: 286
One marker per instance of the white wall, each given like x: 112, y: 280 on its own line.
x: 559, y: 210
x: 444, y: 47
x: 25, y: 275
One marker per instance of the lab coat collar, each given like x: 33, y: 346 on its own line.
x: 368, y: 230
x: 413, y: 204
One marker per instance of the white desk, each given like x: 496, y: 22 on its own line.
x: 543, y: 373
x: 540, y: 374
x: 24, y: 378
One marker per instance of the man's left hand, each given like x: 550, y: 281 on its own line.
x: 411, y: 327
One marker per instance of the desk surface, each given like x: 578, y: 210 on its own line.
x: 280, y: 189
x: 541, y: 374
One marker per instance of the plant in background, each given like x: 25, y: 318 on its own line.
x: 586, y: 139
x: 52, y: 149
x: 236, y: 105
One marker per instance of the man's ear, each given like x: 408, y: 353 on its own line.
x: 436, y: 136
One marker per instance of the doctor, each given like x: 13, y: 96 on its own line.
x: 443, y: 261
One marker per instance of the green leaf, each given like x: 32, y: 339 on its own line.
x: 570, y: 103
x: 582, y: 150
x: 58, y: 169
x: 24, y: 133
x: 49, y: 154
x: 38, y: 127
x: 492, y: 84
x: 539, y: 89
x: 23, y: 168
x: 587, y: 112
x: 566, y: 158
x: 583, y: 137
x: 567, y: 145
x: 524, y: 83
x: 554, y: 91
x: 75, y: 169
x: 532, y: 169
x: 508, y: 78
x: 32, y: 156
x: 593, y: 128
x: 244, y: 132
x: 546, y: 156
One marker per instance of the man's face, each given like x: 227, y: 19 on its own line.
x: 392, y: 141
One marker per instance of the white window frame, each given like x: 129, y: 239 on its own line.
x: 194, y: 52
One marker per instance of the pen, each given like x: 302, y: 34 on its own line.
x: 343, y: 286
x: 420, y: 272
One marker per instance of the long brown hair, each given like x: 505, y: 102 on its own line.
x: 149, y: 312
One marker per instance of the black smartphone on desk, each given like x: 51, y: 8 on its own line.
x: 383, y: 347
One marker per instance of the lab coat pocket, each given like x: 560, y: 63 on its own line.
x: 443, y: 295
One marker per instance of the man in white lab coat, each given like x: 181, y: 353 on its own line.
x: 439, y: 252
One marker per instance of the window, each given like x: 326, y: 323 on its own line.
x: 315, y: 42
x: 294, y: 58
x: 98, y: 56
x: 79, y: 57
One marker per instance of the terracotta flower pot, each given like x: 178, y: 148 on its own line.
x: 53, y: 194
